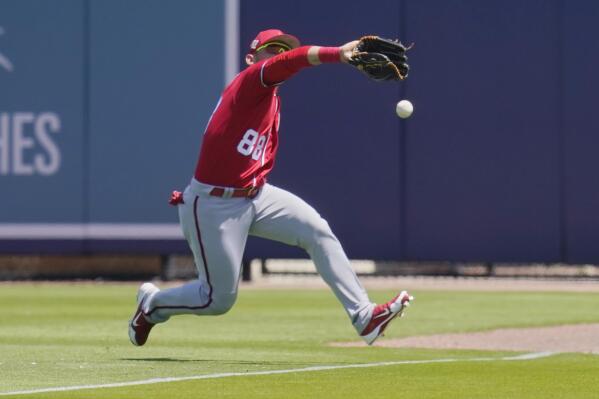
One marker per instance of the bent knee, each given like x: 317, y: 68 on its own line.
x: 221, y: 304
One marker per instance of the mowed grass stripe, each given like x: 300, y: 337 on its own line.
x: 528, y: 356
x: 65, y: 335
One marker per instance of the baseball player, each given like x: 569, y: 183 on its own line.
x: 229, y: 198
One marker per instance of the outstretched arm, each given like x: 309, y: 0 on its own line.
x: 345, y: 52
x: 280, y: 68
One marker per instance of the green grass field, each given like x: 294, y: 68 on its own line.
x: 62, y: 335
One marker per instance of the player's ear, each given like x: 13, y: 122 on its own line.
x: 250, y: 59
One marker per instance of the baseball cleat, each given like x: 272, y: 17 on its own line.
x: 383, y: 314
x: 139, y: 326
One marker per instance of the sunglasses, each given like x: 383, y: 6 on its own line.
x: 274, y: 48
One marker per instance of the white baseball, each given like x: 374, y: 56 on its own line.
x: 404, y: 109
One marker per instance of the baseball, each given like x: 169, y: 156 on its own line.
x: 404, y: 109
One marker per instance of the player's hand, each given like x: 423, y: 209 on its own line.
x: 347, y: 50
x: 381, y: 59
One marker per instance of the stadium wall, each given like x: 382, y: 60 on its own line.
x: 102, y: 105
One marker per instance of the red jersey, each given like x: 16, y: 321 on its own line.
x: 241, y: 139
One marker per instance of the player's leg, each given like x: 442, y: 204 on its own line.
x: 284, y: 217
x: 216, y: 230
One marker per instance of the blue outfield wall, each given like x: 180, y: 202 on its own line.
x: 101, y: 115
x: 580, y: 139
x: 102, y: 105
x: 339, y: 138
x: 41, y: 111
x: 487, y: 169
x: 483, y: 177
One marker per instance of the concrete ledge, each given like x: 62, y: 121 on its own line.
x: 260, y: 269
x: 117, y: 267
x: 179, y: 267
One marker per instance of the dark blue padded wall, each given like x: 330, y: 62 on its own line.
x: 482, y: 148
x: 103, y: 113
x: 479, y: 162
x: 339, y: 133
x: 580, y: 86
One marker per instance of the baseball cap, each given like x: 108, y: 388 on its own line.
x: 273, y: 35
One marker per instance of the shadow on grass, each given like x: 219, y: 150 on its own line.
x: 234, y: 362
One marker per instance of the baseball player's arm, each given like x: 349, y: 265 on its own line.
x: 317, y: 55
x: 280, y: 68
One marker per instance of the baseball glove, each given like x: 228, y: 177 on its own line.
x: 381, y: 59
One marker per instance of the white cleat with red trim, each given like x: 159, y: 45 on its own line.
x: 139, y: 326
x: 383, y: 314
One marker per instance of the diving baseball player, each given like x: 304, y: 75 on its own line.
x: 229, y: 197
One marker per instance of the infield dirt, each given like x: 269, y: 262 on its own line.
x: 583, y: 338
